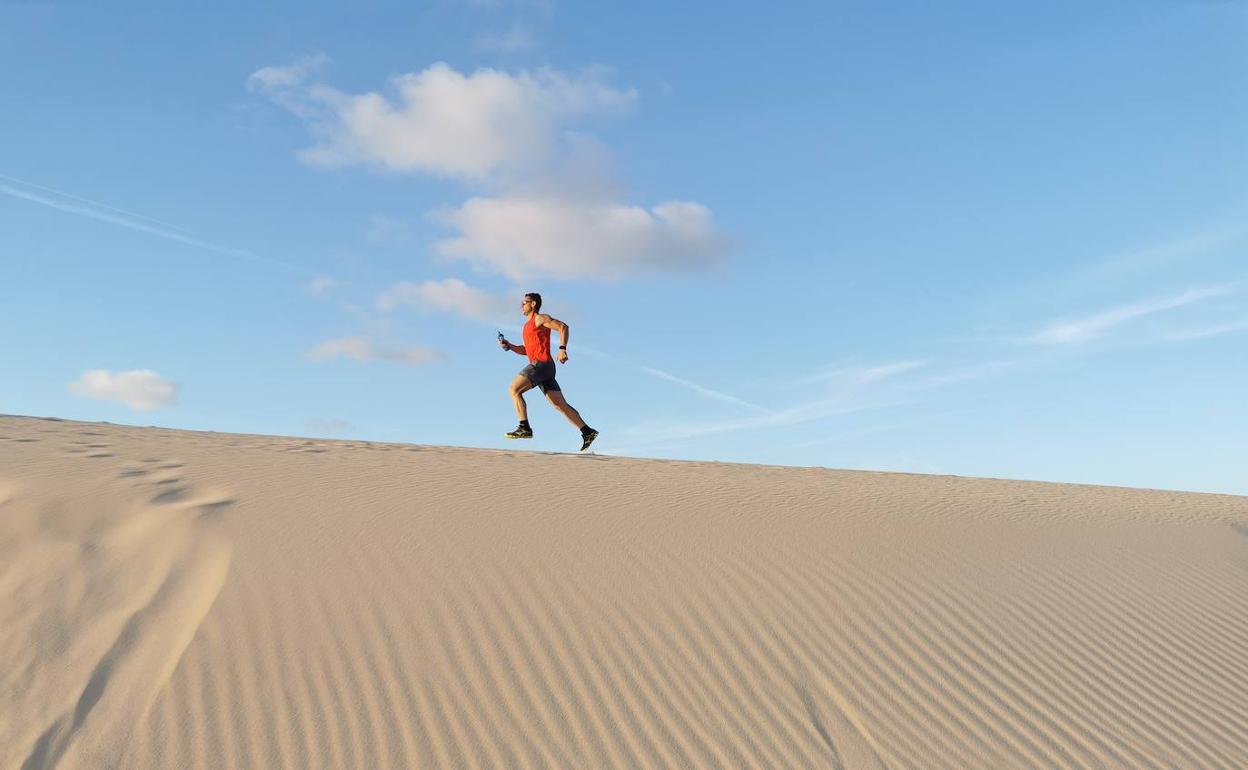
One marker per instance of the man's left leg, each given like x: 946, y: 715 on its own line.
x: 556, y: 399
x: 588, y: 434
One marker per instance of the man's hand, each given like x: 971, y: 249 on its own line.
x: 504, y: 344
x: 562, y: 357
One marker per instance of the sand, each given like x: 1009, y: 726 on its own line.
x: 205, y: 600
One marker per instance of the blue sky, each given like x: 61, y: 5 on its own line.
x: 973, y: 239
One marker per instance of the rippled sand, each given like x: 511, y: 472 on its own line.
x: 178, y: 599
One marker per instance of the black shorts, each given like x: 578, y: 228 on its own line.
x: 542, y: 375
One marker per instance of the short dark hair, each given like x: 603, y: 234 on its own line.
x: 537, y: 300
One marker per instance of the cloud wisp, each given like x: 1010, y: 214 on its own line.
x: 1208, y: 331
x: 277, y: 80
x: 450, y: 295
x: 331, y: 427
x: 321, y: 285
x: 857, y: 389
x: 363, y: 349
x: 659, y: 433
x: 853, y: 376
x: 902, y: 383
x: 543, y: 6
x: 1180, y: 249
x: 140, y: 389
x: 966, y: 373
x: 516, y: 39
x: 1085, y: 329
x: 872, y: 430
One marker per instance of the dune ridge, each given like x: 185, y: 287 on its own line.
x: 211, y: 600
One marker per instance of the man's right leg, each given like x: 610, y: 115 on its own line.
x: 518, y: 386
x: 517, y: 389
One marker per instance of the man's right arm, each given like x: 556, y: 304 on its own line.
x: 517, y: 349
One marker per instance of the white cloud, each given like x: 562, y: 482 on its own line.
x: 362, y: 349
x: 139, y: 389
x: 553, y: 210
x: 450, y: 295
x: 518, y: 38
x: 443, y: 122
x: 528, y: 237
x: 1085, y: 329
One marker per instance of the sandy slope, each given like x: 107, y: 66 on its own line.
x: 172, y: 599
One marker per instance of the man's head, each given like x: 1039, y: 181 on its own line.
x: 531, y: 303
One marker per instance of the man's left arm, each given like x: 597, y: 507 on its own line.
x: 562, y: 328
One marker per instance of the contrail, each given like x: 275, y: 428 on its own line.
x: 128, y: 222
x: 97, y: 204
x: 662, y: 375
x: 702, y: 390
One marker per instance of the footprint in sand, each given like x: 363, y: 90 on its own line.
x: 170, y: 496
x: 211, y: 508
x: 126, y: 582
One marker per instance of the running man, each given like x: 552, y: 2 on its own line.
x: 540, y: 373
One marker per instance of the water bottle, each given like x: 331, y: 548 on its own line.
x: 502, y: 339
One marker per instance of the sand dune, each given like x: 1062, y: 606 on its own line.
x: 203, y: 600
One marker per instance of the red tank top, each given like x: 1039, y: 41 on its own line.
x: 536, y: 341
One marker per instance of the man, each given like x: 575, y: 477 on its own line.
x: 540, y: 373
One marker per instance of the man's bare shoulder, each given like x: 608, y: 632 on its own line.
x: 541, y: 319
